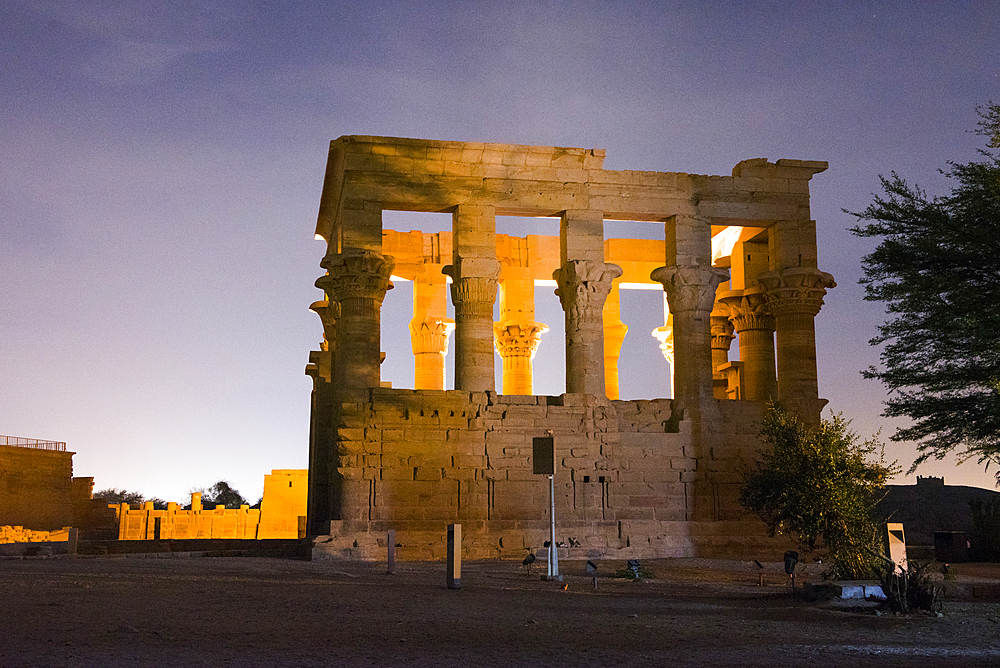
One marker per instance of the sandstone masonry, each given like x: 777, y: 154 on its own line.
x: 633, y: 478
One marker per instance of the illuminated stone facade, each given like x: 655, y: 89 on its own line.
x: 634, y: 477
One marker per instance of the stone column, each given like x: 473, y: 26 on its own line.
x: 517, y: 335
x: 583, y: 287
x: 614, y: 335
x: 691, y: 294
x: 751, y: 317
x: 795, y: 296
x: 429, y: 331
x: 320, y: 369
x: 358, y: 281
x: 474, y: 272
x: 429, y: 340
x: 722, y: 340
x: 517, y: 343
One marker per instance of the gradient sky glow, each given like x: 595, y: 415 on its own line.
x: 161, y: 166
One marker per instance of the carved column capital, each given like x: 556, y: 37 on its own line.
x: 665, y: 335
x: 473, y: 287
x: 796, y: 289
x: 690, y: 287
x: 583, y: 287
x: 356, y: 275
x: 518, y: 339
x: 431, y: 335
x: 328, y: 314
x: 748, y: 309
x: 722, y: 330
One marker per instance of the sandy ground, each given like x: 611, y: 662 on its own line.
x: 272, y: 612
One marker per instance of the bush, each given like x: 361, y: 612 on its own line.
x: 819, y: 484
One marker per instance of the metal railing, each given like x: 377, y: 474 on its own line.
x: 32, y: 443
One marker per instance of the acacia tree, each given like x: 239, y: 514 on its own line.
x: 221, y: 494
x: 937, y: 269
x: 821, y: 484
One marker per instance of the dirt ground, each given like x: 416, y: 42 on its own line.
x: 273, y: 612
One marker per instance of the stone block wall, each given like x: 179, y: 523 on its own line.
x: 36, y: 489
x: 629, y: 476
x: 175, y: 523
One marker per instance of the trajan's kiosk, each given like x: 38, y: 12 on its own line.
x: 633, y: 478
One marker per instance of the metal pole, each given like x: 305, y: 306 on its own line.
x: 553, y: 550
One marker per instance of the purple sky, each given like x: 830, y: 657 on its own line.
x: 161, y: 166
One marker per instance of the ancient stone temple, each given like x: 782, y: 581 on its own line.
x: 737, y: 262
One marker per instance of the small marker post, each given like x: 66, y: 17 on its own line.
x: 454, y: 556
x: 390, y: 547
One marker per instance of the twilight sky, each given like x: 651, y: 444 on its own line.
x: 161, y: 166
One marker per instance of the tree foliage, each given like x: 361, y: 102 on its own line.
x: 134, y: 499
x: 937, y: 269
x: 221, y: 494
x: 820, y: 484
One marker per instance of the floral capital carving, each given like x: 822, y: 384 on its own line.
x: 690, y: 287
x: 518, y: 339
x: 583, y: 287
x: 430, y: 335
x: 356, y: 275
x: 796, y: 289
x: 748, y: 309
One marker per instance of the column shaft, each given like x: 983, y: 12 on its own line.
x: 795, y: 296
x: 614, y: 336
x: 753, y: 323
x: 691, y: 294
x: 430, y: 330
x: 474, y: 272
x: 583, y: 287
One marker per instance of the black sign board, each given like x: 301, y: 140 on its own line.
x: 543, y: 457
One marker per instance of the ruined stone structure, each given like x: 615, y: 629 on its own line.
x: 36, y: 483
x: 633, y: 478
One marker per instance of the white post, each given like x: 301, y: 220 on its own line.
x: 553, y: 550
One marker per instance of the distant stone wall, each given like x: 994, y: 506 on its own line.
x: 283, y: 504
x: 18, y: 534
x: 36, y: 488
x: 629, y: 480
x: 176, y: 523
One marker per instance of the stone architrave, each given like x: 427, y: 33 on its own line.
x: 751, y: 317
x: 429, y: 340
x: 795, y: 296
x: 691, y: 295
x: 583, y: 287
x: 474, y: 292
x: 517, y: 342
x: 357, y: 281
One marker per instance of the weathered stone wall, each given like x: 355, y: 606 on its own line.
x: 36, y: 489
x: 627, y: 480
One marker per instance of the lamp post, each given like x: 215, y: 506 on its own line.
x: 543, y: 462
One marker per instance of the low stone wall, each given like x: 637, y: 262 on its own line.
x: 630, y: 478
